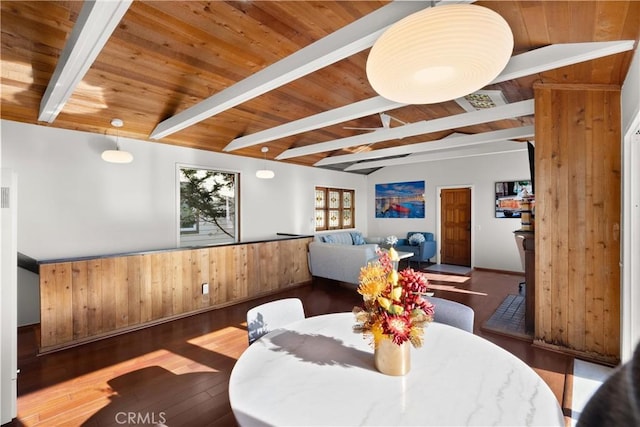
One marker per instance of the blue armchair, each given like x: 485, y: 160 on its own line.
x: 422, y: 251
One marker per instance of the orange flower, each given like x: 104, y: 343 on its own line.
x: 372, y: 281
x: 377, y: 334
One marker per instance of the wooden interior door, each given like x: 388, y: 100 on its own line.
x: 455, y: 227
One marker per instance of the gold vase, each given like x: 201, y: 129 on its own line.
x: 391, y: 358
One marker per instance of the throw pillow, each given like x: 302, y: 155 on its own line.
x: 416, y: 238
x: 357, y: 238
x: 328, y: 238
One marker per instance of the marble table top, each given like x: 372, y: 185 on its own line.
x: 318, y: 372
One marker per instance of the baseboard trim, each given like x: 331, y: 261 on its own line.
x: 611, y: 361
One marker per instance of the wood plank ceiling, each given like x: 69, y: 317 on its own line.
x: 167, y: 56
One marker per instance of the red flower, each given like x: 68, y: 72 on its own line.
x: 398, y: 326
x: 413, y: 281
x: 426, y: 306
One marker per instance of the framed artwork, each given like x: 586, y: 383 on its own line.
x: 400, y: 200
x: 509, y: 194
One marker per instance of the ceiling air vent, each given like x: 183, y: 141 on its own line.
x: 481, y: 100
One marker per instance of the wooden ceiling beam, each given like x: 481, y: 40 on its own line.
x: 495, y: 147
x: 517, y: 109
x: 448, y: 143
x: 96, y: 22
x: 338, y: 45
x: 559, y: 55
x: 356, y: 110
x: 535, y: 61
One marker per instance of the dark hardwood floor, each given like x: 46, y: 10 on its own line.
x: 176, y: 373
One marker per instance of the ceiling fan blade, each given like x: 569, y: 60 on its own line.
x: 386, y: 120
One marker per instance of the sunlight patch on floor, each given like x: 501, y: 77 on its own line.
x: 452, y: 288
x: 211, y: 341
x: 587, y: 377
x: 85, y: 398
x: 447, y: 278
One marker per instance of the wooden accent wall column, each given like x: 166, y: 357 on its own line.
x: 577, y: 179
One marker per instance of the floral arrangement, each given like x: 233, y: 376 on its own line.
x: 391, y: 240
x: 394, y: 307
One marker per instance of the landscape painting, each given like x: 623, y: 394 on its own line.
x: 400, y: 200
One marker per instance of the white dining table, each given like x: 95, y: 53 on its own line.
x: 319, y: 372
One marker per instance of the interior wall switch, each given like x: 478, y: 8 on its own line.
x: 205, y: 289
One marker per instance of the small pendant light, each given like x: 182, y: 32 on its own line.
x: 265, y: 173
x: 117, y: 155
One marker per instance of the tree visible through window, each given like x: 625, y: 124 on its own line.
x: 207, y: 206
x: 335, y: 208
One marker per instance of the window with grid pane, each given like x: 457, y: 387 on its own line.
x: 334, y: 208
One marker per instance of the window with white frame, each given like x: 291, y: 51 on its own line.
x: 207, y: 206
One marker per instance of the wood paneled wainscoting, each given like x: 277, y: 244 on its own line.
x: 577, y: 181
x: 90, y: 298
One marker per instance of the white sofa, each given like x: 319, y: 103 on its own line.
x: 337, y: 257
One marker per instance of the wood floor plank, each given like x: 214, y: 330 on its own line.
x: 180, y: 370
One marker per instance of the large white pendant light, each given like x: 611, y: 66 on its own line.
x: 117, y: 155
x: 439, y: 54
x: 265, y: 173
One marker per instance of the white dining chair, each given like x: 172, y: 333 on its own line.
x: 453, y: 313
x: 266, y: 317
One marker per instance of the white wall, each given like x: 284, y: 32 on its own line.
x: 72, y: 203
x: 630, y: 294
x: 494, y: 245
